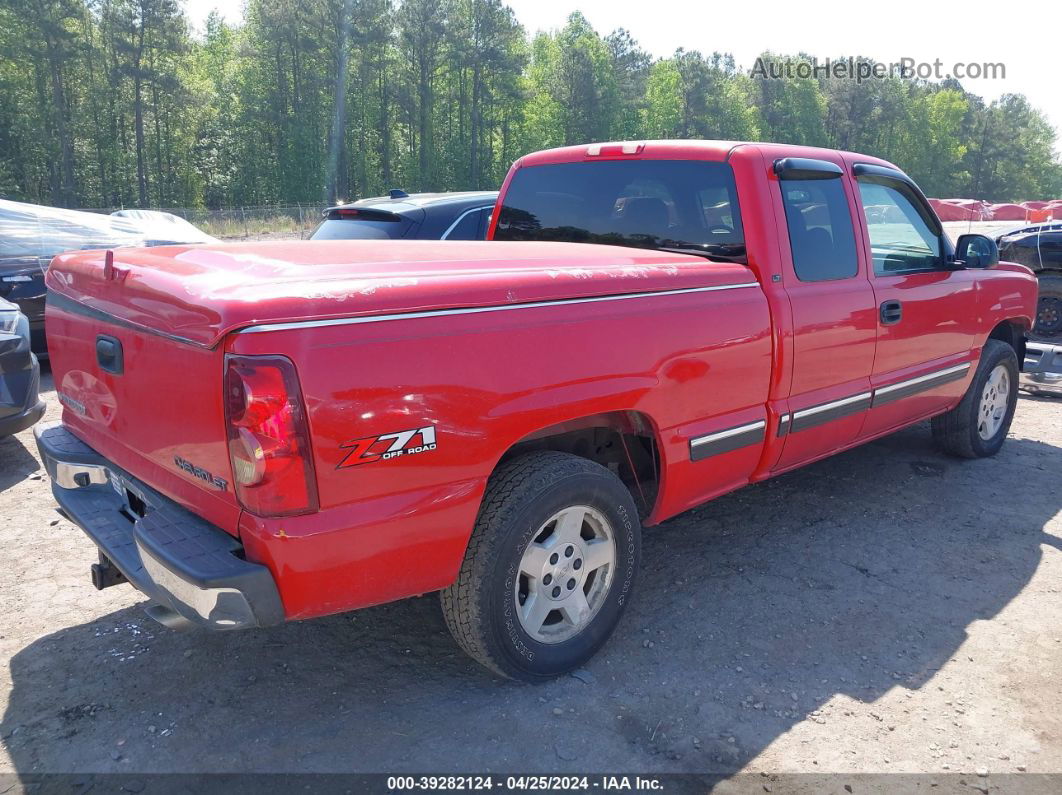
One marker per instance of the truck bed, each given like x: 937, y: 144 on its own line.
x: 198, y: 294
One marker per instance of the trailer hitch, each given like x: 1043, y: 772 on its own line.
x: 105, y: 574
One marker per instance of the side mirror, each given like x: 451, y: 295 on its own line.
x: 976, y: 251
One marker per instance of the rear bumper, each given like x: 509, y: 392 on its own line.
x: 192, y: 569
x: 19, y: 422
x: 1042, y: 369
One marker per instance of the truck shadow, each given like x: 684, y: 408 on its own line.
x: 16, y: 462
x: 855, y: 576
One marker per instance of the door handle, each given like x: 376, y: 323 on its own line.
x: 891, y: 312
x: 109, y: 354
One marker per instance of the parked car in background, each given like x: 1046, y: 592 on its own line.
x: 1041, y: 373
x: 31, y: 234
x: 1040, y: 247
x: 162, y: 229
x: 417, y: 216
x: 20, y: 405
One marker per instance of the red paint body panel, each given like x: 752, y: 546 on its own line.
x: 396, y: 528
x: 705, y: 347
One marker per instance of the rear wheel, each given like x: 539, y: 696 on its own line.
x: 549, y: 569
x: 978, y: 426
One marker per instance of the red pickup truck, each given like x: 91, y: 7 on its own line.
x: 255, y: 433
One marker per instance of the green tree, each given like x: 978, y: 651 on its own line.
x: 1012, y: 158
x: 792, y: 107
x: 422, y: 27
x: 114, y: 103
x: 630, y: 65
x: 574, y: 87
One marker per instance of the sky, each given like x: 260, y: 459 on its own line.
x: 1024, y: 40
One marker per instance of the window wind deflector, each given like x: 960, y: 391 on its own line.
x: 806, y: 168
x: 883, y: 172
x: 884, y: 175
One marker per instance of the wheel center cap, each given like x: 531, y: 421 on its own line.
x: 564, y: 574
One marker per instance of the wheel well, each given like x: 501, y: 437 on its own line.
x: 622, y: 441
x: 1012, y: 333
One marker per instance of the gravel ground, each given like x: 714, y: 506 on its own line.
x: 888, y: 610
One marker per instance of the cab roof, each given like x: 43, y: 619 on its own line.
x: 711, y: 150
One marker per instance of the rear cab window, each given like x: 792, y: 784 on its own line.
x: 687, y: 205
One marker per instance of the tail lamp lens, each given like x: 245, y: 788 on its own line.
x: 269, y: 440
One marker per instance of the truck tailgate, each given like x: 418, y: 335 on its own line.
x: 149, y: 403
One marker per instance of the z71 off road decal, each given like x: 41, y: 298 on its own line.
x: 387, y: 446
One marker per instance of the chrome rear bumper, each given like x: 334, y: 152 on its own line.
x: 192, y: 569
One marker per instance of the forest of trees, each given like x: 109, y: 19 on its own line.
x: 107, y: 103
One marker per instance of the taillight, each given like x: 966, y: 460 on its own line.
x: 269, y: 439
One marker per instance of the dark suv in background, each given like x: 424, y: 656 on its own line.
x: 20, y: 405
x: 1040, y: 247
x: 416, y: 216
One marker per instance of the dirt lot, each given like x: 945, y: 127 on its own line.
x: 886, y: 610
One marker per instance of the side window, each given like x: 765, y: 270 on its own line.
x: 820, y: 229
x: 900, y: 236
x: 470, y: 227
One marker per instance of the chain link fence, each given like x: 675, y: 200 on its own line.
x: 274, y: 222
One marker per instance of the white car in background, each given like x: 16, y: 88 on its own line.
x: 161, y: 228
x: 31, y: 234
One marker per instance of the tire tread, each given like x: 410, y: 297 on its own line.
x: 954, y: 430
x: 464, y: 601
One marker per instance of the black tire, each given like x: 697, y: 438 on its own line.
x: 522, y: 495
x: 1048, y: 324
x: 956, y: 432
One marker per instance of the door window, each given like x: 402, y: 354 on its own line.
x: 821, y: 236
x: 901, y: 239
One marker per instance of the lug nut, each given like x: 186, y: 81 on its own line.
x: 554, y: 558
x: 547, y: 579
x: 569, y: 551
x: 571, y: 584
x: 578, y: 564
x: 556, y: 592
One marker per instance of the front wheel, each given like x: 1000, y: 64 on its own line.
x: 549, y: 569
x: 977, y: 427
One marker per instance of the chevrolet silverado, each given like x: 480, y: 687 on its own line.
x: 255, y: 433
